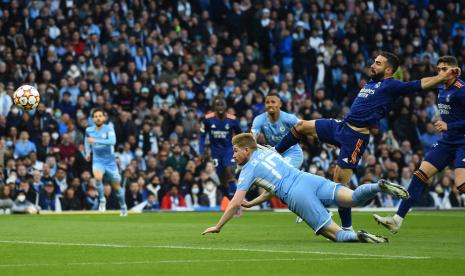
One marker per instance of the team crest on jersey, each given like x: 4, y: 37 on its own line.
x: 378, y: 84
x: 254, y: 162
x: 282, y: 128
x: 104, y: 135
x: 448, y: 98
x: 213, y: 126
x: 226, y: 126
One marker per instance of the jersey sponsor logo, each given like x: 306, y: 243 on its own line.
x: 365, y: 92
x: 444, y: 108
x: 219, y: 134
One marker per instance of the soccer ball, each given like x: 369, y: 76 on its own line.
x: 26, y: 97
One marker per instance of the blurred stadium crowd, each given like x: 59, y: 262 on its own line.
x: 155, y: 67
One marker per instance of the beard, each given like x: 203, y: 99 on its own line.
x: 376, y: 76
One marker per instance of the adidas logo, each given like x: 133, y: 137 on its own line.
x: 346, y: 160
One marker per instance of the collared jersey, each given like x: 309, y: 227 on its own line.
x: 275, y: 131
x: 219, y: 132
x: 375, y: 100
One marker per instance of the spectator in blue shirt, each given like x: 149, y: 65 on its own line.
x: 23, y: 146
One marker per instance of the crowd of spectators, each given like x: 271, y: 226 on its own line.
x: 155, y: 67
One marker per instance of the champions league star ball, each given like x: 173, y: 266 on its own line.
x: 26, y: 97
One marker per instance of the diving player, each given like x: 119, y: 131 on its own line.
x: 451, y: 103
x: 305, y: 194
x: 100, y: 139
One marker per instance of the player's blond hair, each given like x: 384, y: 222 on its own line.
x: 245, y: 140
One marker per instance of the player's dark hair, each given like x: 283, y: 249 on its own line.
x: 273, y: 94
x: 449, y: 60
x: 392, y: 60
x: 98, y: 109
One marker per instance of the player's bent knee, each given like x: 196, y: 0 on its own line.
x: 421, y: 175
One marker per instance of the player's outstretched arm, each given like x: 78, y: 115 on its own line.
x: 432, y: 82
x: 265, y: 196
x: 228, y: 213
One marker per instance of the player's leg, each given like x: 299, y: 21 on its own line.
x: 308, y: 201
x: 460, y: 170
x: 297, y: 132
x: 345, y: 197
x: 343, y: 176
x: 229, y: 166
x: 116, y: 185
x: 335, y: 233
x: 353, y: 145
x: 436, y: 160
x: 99, y: 171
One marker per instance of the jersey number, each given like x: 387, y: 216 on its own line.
x: 270, y: 165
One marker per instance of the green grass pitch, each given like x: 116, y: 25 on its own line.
x: 258, y: 243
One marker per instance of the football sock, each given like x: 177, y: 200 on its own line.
x: 346, y: 217
x: 99, y: 187
x: 291, y: 138
x: 364, y: 192
x: 346, y: 236
x: 415, y: 190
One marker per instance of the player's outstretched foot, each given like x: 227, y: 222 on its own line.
x: 395, y: 190
x: 102, y: 206
x: 298, y: 220
x: 124, y: 212
x: 389, y: 222
x: 364, y: 236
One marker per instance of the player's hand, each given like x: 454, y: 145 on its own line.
x: 90, y: 140
x: 451, y: 73
x: 246, y: 204
x: 88, y: 158
x: 212, y: 229
x: 440, y: 126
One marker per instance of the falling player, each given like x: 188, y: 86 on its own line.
x: 100, y: 139
x: 374, y: 101
x: 305, y: 194
x: 451, y: 103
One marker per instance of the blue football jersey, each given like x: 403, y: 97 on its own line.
x: 219, y: 133
x: 275, y: 131
x: 451, y: 104
x: 267, y: 169
x: 375, y: 100
x: 103, y: 148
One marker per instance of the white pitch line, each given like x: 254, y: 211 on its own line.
x: 215, y: 249
x: 192, y: 261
